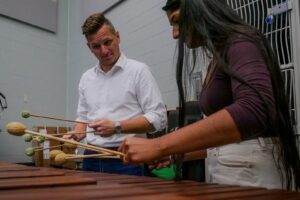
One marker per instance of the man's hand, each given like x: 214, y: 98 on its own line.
x: 73, y: 136
x: 103, y: 127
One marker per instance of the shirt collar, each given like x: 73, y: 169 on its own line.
x: 120, y: 64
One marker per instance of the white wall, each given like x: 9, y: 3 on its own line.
x: 145, y: 36
x: 33, y: 64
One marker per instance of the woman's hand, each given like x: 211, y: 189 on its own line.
x: 163, y: 162
x: 140, y: 150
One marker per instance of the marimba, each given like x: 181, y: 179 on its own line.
x: 26, y: 182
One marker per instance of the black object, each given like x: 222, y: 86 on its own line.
x: 195, y: 169
x: 171, y: 5
x: 3, y: 103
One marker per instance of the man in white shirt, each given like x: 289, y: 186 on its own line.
x: 119, y: 97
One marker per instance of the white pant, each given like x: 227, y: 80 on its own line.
x: 248, y: 163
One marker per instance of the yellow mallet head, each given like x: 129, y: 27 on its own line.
x: 54, y: 153
x: 16, y: 128
x: 60, y: 158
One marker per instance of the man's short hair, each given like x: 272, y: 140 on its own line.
x: 94, y: 22
x: 171, y: 5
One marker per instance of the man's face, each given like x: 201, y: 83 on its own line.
x: 173, y: 17
x: 104, y: 44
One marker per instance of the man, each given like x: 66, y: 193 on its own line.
x: 119, y: 97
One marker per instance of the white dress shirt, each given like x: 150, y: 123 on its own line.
x: 127, y: 91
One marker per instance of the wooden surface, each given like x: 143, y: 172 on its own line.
x: 28, y: 174
x: 71, y: 184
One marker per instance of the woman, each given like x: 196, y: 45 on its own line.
x: 248, y: 118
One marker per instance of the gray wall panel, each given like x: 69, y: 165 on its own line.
x: 40, y: 13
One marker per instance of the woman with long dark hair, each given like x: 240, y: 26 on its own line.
x: 248, y: 130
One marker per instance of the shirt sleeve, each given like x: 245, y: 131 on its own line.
x: 249, y: 111
x: 150, y: 99
x: 82, y: 105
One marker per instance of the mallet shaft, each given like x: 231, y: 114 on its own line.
x: 92, y: 156
x: 59, y: 119
x: 70, y: 133
x: 42, y: 149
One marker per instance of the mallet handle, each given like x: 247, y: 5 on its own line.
x: 59, y: 119
x: 70, y: 133
x: 42, y: 148
x: 92, y: 156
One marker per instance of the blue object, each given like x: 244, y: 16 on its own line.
x: 269, y: 19
x: 109, y: 165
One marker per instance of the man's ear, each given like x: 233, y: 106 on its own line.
x: 118, y: 36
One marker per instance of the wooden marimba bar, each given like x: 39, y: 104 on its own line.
x: 24, y: 182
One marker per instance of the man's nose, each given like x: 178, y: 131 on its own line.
x: 103, y: 49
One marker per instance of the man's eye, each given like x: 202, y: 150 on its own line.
x: 96, y: 46
x: 107, y: 42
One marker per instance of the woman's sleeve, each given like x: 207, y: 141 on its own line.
x: 249, y: 111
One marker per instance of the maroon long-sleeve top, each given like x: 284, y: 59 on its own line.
x: 242, y: 102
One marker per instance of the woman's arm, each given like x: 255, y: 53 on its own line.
x: 215, y: 130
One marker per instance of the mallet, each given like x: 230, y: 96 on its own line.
x: 18, y: 129
x: 62, y: 158
x: 26, y: 114
x: 30, y: 151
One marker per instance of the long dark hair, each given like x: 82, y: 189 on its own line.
x: 214, y: 23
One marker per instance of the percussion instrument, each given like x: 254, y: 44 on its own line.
x: 30, y: 183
